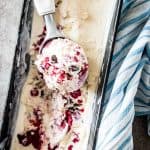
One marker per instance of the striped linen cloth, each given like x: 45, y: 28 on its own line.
x: 128, y: 87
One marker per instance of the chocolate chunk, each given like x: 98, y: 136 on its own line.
x: 58, y: 3
x: 42, y: 93
x: 54, y: 148
x: 69, y: 76
x: 54, y: 59
x: 60, y: 27
x: 73, y: 68
x: 40, y: 84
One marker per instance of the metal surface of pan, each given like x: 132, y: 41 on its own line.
x: 20, y: 71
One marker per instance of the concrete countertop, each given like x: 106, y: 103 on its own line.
x: 10, y: 15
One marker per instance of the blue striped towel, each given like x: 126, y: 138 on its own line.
x: 128, y: 87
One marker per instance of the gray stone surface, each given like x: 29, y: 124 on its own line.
x: 10, y: 14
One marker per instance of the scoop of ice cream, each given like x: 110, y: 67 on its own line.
x: 63, y: 64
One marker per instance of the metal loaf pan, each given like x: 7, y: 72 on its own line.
x: 20, y: 71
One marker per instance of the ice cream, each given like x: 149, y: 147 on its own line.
x: 49, y: 123
x: 63, y: 64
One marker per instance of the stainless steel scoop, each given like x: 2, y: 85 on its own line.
x: 46, y: 8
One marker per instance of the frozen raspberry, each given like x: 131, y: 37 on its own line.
x: 75, y: 140
x: 70, y: 147
x: 34, y: 92
x: 47, y: 65
x: 75, y: 94
x: 63, y: 124
x: 82, y: 109
x: 80, y: 101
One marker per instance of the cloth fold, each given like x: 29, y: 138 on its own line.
x: 128, y: 87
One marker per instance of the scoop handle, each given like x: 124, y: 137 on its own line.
x: 44, y: 6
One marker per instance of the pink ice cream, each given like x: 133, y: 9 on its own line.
x: 63, y: 64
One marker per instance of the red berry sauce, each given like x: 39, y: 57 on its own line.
x: 69, y: 119
x: 33, y: 136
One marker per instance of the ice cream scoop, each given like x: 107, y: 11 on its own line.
x: 46, y: 9
x: 61, y: 61
x: 63, y: 64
